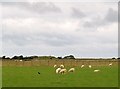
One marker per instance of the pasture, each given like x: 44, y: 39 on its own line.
x: 25, y: 74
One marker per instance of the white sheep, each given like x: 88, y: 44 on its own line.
x: 63, y: 71
x: 20, y: 60
x: 82, y: 66
x: 90, y: 66
x: 16, y: 60
x: 96, y: 70
x: 58, y: 70
x: 110, y: 64
x: 62, y: 66
x: 55, y: 66
x: 71, y: 70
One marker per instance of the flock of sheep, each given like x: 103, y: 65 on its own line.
x: 62, y: 70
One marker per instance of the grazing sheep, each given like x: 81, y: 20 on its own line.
x: 62, y: 66
x: 63, y: 71
x: 20, y: 60
x: 82, y: 66
x: 16, y: 60
x: 55, y: 66
x: 58, y: 70
x: 90, y: 66
x: 71, y: 70
x: 96, y: 70
x: 110, y: 64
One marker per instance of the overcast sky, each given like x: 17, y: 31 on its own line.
x: 83, y: 29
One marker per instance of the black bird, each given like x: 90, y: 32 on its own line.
x: 38, y: 72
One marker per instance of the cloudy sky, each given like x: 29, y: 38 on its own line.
x: 83, y: 29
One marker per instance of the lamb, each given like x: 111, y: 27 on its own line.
x: 90, y: 66
x: 62, y: 66
x: 82, y: 66
x: 96, y: 70
x: 55, y: 66
x: 16, y: 60
x: 20, y: 60
x: 110, y: 64
x: 71, y: 70
x: 58, y: 70
x: 63, y: 71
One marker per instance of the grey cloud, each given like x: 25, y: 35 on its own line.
x: 19, y: 40
x: 56, y: 39
x: 88, y: 24
x: 110, y: 17
x: 36, y: 7
x: 50, y: 39
x: 95, y: 22
x: 43, y: 7
x: 12, y: 1
x: 77, y: 13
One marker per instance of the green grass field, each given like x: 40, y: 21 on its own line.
x: 0, y: 76
x: 29, y: 77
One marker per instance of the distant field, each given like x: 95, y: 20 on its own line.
x: 27, y: 76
